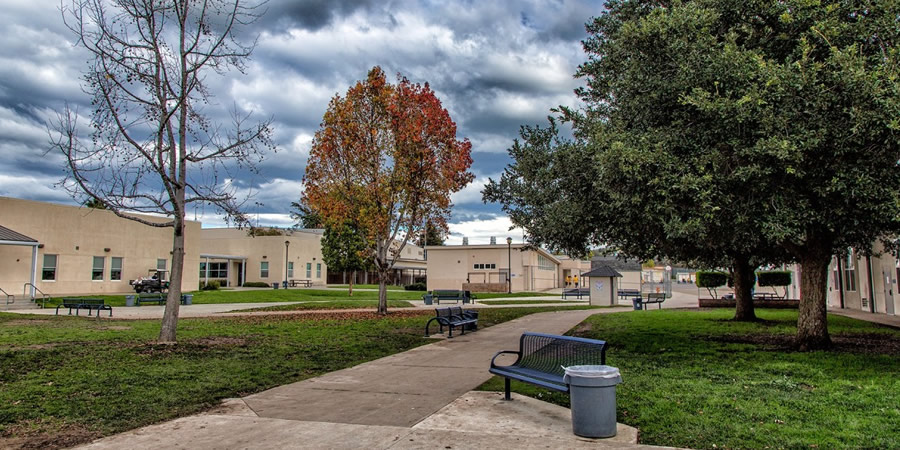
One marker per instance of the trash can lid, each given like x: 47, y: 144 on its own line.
x: 592, y: 371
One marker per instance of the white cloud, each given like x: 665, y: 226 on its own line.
x: 480, y: 231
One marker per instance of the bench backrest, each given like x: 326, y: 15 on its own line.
x: 442, y: 312
x: 656, y: 296
x: 447, y: 293
x: 72, y: 302
x: 150, y: 295
x: 549, y: 353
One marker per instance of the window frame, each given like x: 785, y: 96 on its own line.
x: 308, y: 270
x: 850, y: 272
x: 55, y: 267
x: 94, y: 271
x: 112, y: 269
x: 318, y: 270
x: 264, y: 269
x: 290, y: 269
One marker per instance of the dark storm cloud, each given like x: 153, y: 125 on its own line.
x: 494, y: 65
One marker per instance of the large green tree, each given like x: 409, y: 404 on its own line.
x: 727, y: 125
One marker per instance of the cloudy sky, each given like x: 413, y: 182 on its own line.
x: 494, y: 65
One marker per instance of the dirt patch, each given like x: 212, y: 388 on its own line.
x: 45, y: 435
x: 583, y: 328
x: 218, y: 341
x: 865, y: 343
x: 115, y: 328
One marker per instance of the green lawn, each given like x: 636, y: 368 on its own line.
x: 334, y: 304
x: 695, y: 379
x: 527, y: 302
x: 390, y: 287
x: 66, y: 380
x: 268, y: 295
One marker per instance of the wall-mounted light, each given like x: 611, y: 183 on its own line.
x: 76, y: 247
x: 106, y: 249
x: 40, y: 245
x: 264, y: 256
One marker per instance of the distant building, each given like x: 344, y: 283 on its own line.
x: 629, y: 268
x: 486, y: 268
x: 863, y: 283
x: 80, y: 250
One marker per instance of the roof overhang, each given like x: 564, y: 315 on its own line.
x: 10, y: 237
x: 228, y: 257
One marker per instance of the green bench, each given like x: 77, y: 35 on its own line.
x: 89, y: 304
x: 445, y: 294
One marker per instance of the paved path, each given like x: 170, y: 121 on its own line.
x: 880, y: 318
x: 372, y: 405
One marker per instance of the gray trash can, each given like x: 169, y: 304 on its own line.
x: 129, y: 300
x: 187, y: 299
x: 428, y: 299
x: 274, y: 285
x: 637, y: 303
x: 592, y: 394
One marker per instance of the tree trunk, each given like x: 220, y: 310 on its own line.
x: 382, y: 293
x: 743, y: 289
x: 812, y: 320
x: 352, y: 277
x: 173, y: 300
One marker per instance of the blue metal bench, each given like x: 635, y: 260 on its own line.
x: 578, y: 292
x: 454, y: 317
x: 652, y: 297
x: 541, y: 357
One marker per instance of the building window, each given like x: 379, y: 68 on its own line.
x: 161, y: 264
x: 115, y: 268
x: 850, y: 272
x: 318, y: 270
x: 485, y: 266
x: 97, y: 271
x: 308, y: 270
x: 48, y: 273
x: 264, y: 269
x: 544, y: 263
x: 216, y: 270
x: 291, y: 269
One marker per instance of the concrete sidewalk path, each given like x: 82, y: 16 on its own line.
x: 373, y: 405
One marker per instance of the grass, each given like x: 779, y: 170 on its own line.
x: 696, y: 379
x: 267, y: 295
x: 390, y: 287
x: 527, y: 302
x: 335, y: 304
x: 67, y: 380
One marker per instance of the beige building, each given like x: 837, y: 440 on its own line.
x: 82, y: 250
x: 486, y: 268
x: 865, y: 283
x: 232, y: 257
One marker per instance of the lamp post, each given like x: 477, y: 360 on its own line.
x: 286, y: 245
x: 509, y: 265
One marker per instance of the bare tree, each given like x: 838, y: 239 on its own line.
x: 152, y: 148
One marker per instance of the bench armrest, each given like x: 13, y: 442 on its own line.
x: 511, y: 352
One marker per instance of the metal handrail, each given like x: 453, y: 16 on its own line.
x: 44, y: 297
x: 10, y: 299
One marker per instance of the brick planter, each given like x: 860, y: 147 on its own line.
x: 725, y: 303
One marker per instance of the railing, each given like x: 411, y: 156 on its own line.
x: 9, y: 298
x: 44, y: 297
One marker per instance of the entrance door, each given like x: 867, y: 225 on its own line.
x: 888, y: 292
x: 240, y: 274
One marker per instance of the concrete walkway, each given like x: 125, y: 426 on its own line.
x: 880, y: 318
x: 379, y: 404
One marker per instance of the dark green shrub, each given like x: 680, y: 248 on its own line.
x: 256, y: 284
x: 209, y: 286
x: 731, y: 280
x: 711, y: 280
x: 415, y: 287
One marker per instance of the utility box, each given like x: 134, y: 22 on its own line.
x: 603, y: 281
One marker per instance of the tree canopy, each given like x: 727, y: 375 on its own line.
x: 386, y: 158
x: 716, y: 130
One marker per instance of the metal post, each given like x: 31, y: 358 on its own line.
x: 286, y: 245
x: 34, y: 249
x: 509, y: 265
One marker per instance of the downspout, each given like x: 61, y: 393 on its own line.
x: 840, y: 278
x: 870, y: 283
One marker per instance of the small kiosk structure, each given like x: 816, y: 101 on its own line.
x: 603, y: 281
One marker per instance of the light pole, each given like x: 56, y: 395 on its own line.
x: 286, y: 245
x: 509, y: 265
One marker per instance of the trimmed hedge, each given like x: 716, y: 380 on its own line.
x: 774, y: 278
x: 415, y: 287
x: 706, y: 279
x: 211, y: 286
x: 256, y: 284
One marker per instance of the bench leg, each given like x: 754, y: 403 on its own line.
x: 507, y: 389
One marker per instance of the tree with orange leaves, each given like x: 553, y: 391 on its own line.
x: 386, y: 157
